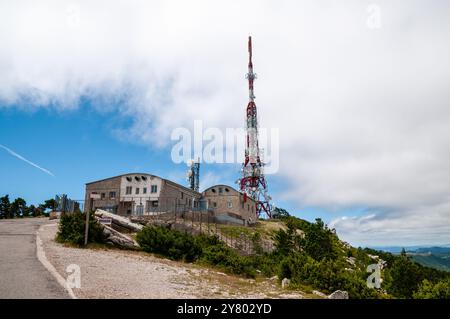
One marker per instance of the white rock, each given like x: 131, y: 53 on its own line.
x: 285, y: 283
x: 339, y: 294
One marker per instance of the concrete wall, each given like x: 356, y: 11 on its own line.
x: 168, y: 195
x: 226, y: 200
x: 138, y: 182
x: 175, y: 196
x: 105, y: 186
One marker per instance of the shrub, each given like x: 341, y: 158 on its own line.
x: 170, y: 243
x: 318, y: 240
x: 207, y: 249
x: 72, y: 229
x: 224, y: 257
x: 267, y: 263
x: 429, y: 290
x: 326, y: 275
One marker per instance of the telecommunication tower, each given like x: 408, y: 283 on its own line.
x: 253, y: 182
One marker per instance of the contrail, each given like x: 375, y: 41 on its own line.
x: 10, y: 151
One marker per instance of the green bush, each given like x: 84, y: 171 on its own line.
x: 170, y: 243
x: 72, y: 229
x: 207, y: 249
x: 267, y: 263
x: 224, y: 257
x: 318, y: 241
x: 429, y: 290
x: 326, y: 275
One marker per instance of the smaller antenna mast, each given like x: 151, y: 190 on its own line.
x: 193, y: 175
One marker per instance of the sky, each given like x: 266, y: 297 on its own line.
x: 358, y: 92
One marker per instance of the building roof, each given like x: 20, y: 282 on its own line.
x: 144, y: 174
x: 121, y: 175
x: 221, y: 185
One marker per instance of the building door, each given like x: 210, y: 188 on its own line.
x: 140, y: 209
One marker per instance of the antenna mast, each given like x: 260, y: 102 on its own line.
x: 193, y: 175
x: 253, y: 182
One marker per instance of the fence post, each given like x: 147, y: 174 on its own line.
x: 86, y: 230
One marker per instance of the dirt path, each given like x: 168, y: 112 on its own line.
x: 112, y: 273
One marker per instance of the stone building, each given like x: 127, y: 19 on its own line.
x: 139, y: 193
x: 229, y: 205
x: 146, y: 194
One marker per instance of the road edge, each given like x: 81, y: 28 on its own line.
x: 40, y: 253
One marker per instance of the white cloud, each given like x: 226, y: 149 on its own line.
x: 417, y: 226
x: 363, y: 113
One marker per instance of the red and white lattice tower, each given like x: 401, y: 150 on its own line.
x: 253, y: 183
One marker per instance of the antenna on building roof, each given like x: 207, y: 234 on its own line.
x: 193, y: 174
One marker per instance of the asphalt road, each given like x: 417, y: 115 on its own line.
x: 21, y: 274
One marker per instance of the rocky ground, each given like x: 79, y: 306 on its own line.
x: 113, y: 273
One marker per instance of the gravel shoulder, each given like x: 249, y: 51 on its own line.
x: 113, y: 273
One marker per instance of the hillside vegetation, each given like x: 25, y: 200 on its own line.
x: 309, y: 254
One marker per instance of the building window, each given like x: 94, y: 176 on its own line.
x: 227, y: 190
x: 230, y: 205
x: 220, y: 190
x: 137, y: 190
x: 144, y: 178
x: 129, y: 178
x: 213, y: 190
x: 137, y: 178
x: 214, y: 204
x: 155, y: 203
x: 182, y: 195
x: 248, y: 207
x: 154, y: 188
x: 128, y: 190
x: 103, y: 195
x: 112, y: 195
x: 144, y: 190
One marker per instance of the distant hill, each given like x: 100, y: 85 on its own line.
x: 433, y: 261
x: 431, y: 250
x: 398, y: 249
x: 435, y: 257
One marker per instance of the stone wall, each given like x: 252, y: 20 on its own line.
x: 226, y: 200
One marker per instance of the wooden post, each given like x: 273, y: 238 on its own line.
x: 86, y: 229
